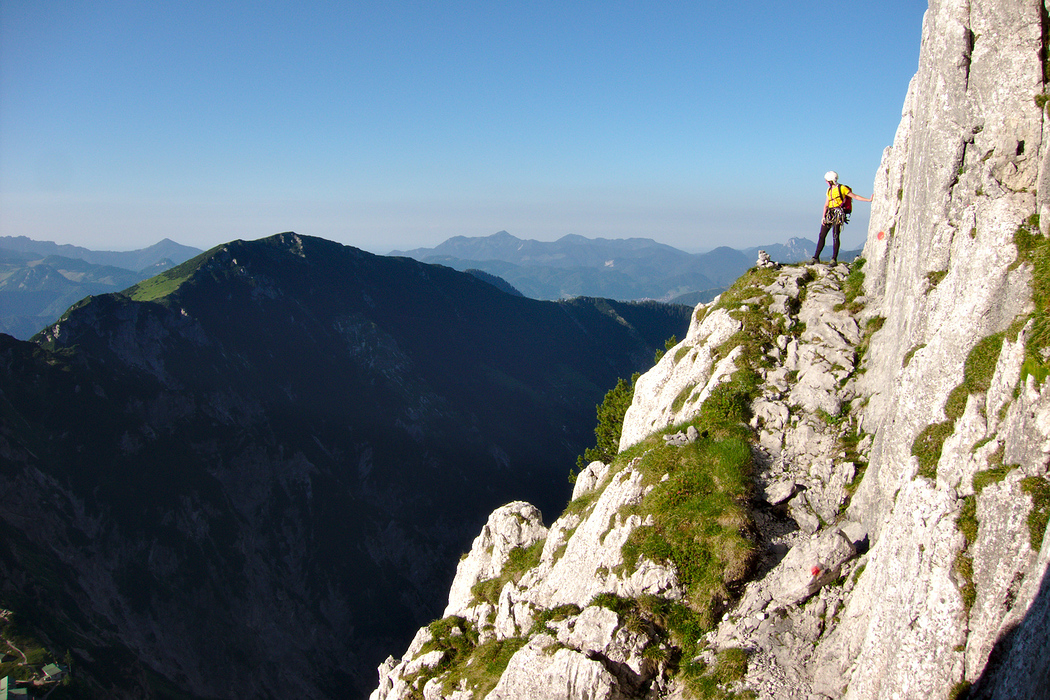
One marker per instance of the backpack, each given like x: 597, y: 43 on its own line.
x: 847, y: 202
x: 840, y: 215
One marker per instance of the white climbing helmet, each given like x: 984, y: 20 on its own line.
x: 831, y: 176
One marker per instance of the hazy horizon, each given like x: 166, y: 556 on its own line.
x: 396, y: 125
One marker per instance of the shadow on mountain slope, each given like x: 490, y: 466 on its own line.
x: 253, y: 474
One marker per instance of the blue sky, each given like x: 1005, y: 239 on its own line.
x: 393, y: 125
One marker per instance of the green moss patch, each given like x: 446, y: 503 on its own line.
x: 701, y: 519
x: 730, y: 666
x: 543, y: 619
x: 981, y: 362
x: 1034, y: 248
x: 978, y: 371
x: 928, y: 444
x: 968, y: 590
x: 989, y: 476
x: 934, y: 278
x: 519, y: 560
x: 911, y: 353
x: 966, y: 523
x: 683, y: 396
x: 1039, y: 489
x: 873, y: 326
x: 464, y: 660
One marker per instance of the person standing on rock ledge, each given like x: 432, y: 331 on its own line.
x: 837, y: 207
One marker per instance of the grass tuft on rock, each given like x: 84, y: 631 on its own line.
x: 519, y: 560
x: 978, y: 371
x: 701, y: 520
x: 928, y: 444
x: 1039, y: 489
x: 854, y: 286
x: 1034, y: 248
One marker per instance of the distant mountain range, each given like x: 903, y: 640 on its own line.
x: 139, y: 259
x: 252, y: 475
x: 40, y: 279
x: 626, y: 269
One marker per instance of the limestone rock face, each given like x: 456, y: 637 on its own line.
x: 514, y: 525
x: 688, y: 378
x: 901, y: 440
x: 811, y: 565
x: 956, y: 185
x: 534, y: 672
x: 959, y: 181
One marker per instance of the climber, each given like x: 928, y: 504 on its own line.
x: 837, y: 207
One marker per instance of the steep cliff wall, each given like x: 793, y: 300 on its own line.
x: 960, y: 181
x: 900, y: 426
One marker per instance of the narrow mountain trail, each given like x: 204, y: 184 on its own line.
x: 809, y: 459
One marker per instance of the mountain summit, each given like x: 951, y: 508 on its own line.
x: 39, y: 279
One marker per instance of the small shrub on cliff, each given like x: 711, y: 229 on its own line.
x: 610, y: 425
x: 668, y: 344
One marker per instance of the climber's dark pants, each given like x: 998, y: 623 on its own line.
x: 835, y: 229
